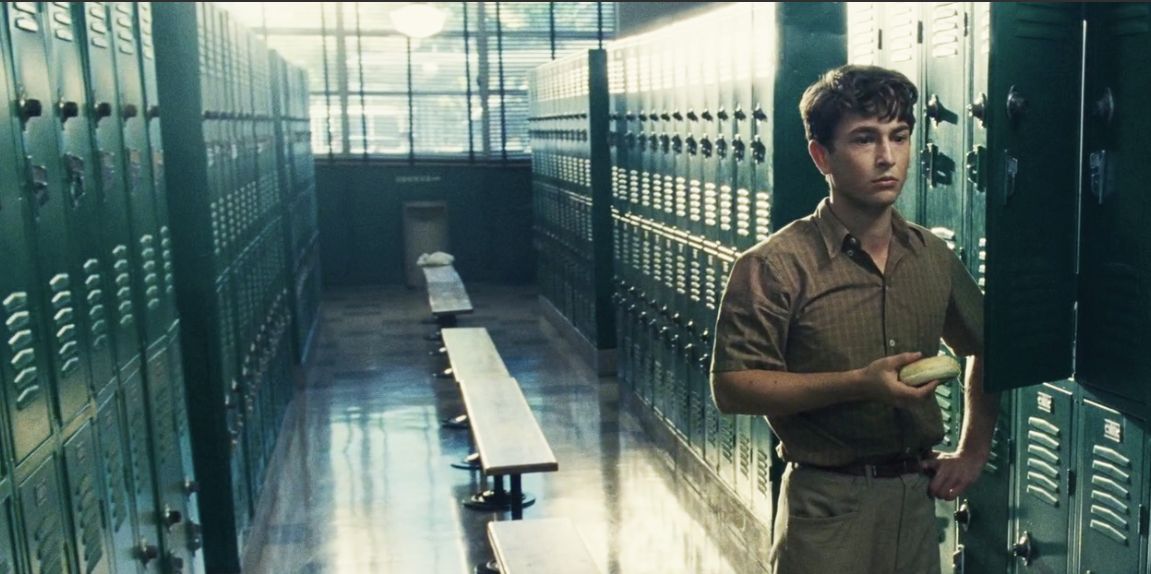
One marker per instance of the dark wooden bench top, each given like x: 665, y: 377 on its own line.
x: 472, y: 353
x: 446, y: 294
x: 505, y: 431
x: 551, y: 545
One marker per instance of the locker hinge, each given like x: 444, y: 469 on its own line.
x: 1143, y: 519
x: 879, y: 39
x: 919, y: 32
x: 1071, y: 482
x: 966, y: 23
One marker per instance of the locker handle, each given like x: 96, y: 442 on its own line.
x: 963, y: 515
x: 721, y: 114
x: 147, y: 552
x: 677, y: 115
x: 1104, y: 108
x: 706, y: 115
x: 927, y: 162
x: 758, y: 150
x: 978, y: 109
x: 758, y: 113
x: 153, y: 112
x: 30, y: 108
x: 1023, y: 549
x: 130, y: 111
x: 1016, y: 104
x: 691, y: 115
x: 69, y: 110
x: 933, y: 109
x: 38, y: 177
x: 172, y: 517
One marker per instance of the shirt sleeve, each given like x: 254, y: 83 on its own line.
x: 754, y: 315
x: 963, y: 325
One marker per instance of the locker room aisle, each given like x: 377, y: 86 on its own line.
x: 365, y: 484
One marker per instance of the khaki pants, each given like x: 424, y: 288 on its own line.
x: 829, y: 523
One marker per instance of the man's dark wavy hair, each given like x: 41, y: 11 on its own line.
x: 869, y: 91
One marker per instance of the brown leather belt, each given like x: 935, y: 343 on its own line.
x: 880, y: 470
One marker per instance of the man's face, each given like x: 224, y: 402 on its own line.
x: 867, y: 163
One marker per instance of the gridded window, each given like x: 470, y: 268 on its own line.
x: 460, y: 94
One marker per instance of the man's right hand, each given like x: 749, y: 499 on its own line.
x: 881, y: 378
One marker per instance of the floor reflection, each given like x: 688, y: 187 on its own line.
x: 365, y: 484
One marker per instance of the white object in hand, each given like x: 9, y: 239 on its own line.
x: 922, y: 371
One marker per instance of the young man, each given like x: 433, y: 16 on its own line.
x: 814, y: 326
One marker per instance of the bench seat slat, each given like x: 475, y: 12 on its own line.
x: 506, y: 433
x: 551, y: 545
x: 472, y: 353
x: 446, y: 293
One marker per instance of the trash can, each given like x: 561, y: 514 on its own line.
x: 425, y: 231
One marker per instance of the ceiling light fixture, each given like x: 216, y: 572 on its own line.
x: 418, y: 19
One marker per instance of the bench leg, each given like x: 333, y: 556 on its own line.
x: 492, y: 567
x: 459, y: 422
x: 517, y: 498
x: 498, y: 499
x: 471, y: 462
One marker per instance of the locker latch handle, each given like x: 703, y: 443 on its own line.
x: 130, y: 111
x: 1016, y: 104
x: 978, y: 109
x: 927, y: 162
x: 103, y: 110
x: 69, y: 110
x: 30, y: 108
x: 1023, y: 549
x: 1104, y: 109
x: 38, y: 181
x: 963, y: 515
x: 758, y: 150
x: 933, y: 109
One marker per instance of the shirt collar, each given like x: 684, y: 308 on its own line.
x: 836, y: 236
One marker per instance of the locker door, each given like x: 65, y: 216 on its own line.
x: 1031, y: 195
x: 151, y: 101
x: 51, y: 203
x: 142, y: 479
x: 87, y: 494
x: 115, y: 230
x: 1112, y: 527
x: 119, y: 502
x: 24, y: 351
x: 1044, y: 457
x: 9, y: 561
x: 167, y: 459
x: 190, y: 488
x: 92, y: 269
x: 984, y: 513
x: 761, y: 117
x: 137, y: 167
x: 943, y: 92
x: 1114, y: 320
x: 903, y: 51
x: 45, y: 531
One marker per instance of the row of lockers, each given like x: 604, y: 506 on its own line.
x: 245, y: 244
x: 698, y: 143
x: 98, y: 473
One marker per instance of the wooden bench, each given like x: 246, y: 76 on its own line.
x: 551, y: 545
x: 446, y: 296
x: 471, y: 353
x: 508, y: 439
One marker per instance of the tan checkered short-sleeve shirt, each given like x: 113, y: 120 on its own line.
x: 810, y: 300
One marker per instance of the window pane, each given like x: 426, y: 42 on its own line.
x: 520, y: 17
x: 387, y: 123
x: 583, y: 17
x: 438, y: 65
x: 307, y: 52
x: 441, y: 125
x: 377, y: 16
x: 385, y: 65
x: 322, y: 124
x: 521, y: 55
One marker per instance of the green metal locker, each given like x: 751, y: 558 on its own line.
x: 1045, y: 454
x: 47, y: 186
x: 24, y: 356
x: 118, y: 501
x: 64, y: 31
x: 167, y: 459
x: 106, y: 116
x: 44, y: 519
x: 145, y: 247
x: 86, y: 494
x: 983, y: 515
x: 193, y: 535
x: 1032, y: 153
x: 1113, y: 506
x: 9, y: 559
x: 141, y: 477
x: 147, y: 61
x: 1114, y: 264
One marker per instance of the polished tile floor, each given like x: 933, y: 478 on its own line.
x: 365, y: 484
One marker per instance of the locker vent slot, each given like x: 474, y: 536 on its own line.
x: 743, y: 213
x: 946, y: 29
x: 113, y: 466
x: 745, y: 453
x: 863, y: 30
x: 669, y: 193
x: 695, y: 201
x: 762, y: 215
x: 710, y: 205
x: 902, y: 39
x: 1111, y: 512
x: 1043, y: 462
x: 726, y: 204
x: 681, y: 206
x: 21, y: 347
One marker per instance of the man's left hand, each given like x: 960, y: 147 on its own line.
x: 953, y: 473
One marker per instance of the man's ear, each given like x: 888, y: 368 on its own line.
x: 818, y: 155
